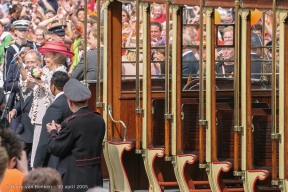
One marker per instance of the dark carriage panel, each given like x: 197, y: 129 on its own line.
x: 217, y: 3
x: 260, y: 4
x: 154, y: 1
x: 283, y: 4
x: 185, y: 2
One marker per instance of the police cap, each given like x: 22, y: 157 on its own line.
x: 76, y: 91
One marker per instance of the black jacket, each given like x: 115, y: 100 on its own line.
x: 190, y: 65
x: 256, y: 66
x: 79, y: 145
x: 57, y: 111
x: 25, y: 129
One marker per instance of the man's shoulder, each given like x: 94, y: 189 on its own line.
x: 93, y: 116
x: 11, y: 48
x: 91, y: 52
x: 60, y: 101
x: 190, y: 54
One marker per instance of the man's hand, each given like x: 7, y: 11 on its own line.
x: 51, y: 126
x: 58, y: 127
x: 11, y: 114
x: 66, y: 6
x: 18, y: 58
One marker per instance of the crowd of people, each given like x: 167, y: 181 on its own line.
x: 45, y: 145
x: 42, y: 64
x: 225, y: 43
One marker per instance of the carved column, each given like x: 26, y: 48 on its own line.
x: 176, y: 77
x: 146, y: 81
x: 283, y: 111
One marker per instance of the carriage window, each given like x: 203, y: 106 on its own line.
x: 158, y: 42
x: 224, y: 49
x: 129, y: 41
x: 261, y: 48
x: 191, y: 47
x: 158, y: 27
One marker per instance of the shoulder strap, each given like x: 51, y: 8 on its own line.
x: 15, y: 48
x: 34, y: 46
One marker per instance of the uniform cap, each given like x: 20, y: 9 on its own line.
x: 21, y: 25
x: 58, y: 30
x: 76, y: 91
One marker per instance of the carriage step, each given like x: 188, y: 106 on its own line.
x: 265, y: 188
x: 235, y: 189
x: 167, y: 183
x: 232, y: 181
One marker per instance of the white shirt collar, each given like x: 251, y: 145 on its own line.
x: 58, y: 95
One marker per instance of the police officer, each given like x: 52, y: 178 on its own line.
x: 21, y: 31
x: 58, y: 33
x: 78, y: 140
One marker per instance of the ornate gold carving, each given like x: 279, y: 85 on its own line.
x: 175, y: 9
x: 208, y: 11
x: 283, y: 16
x: 145, y: 6
x: 244, y: 14
x: 107, y: 3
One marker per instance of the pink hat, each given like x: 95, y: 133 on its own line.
x: 55, y: 47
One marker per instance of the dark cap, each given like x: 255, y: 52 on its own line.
x: 255, y: 40
x: 76, y: 91
x: 270, y: 44
x: 58, y: 30
x: 21, y: 25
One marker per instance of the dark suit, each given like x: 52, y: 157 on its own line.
x: 57, y: 111
x: 10, y: 52
x: 23, y: 108
x: 12, y: 84
x: 78, y: 145
x: 256, y: 66
x: 190, y: 65
x: 25, y: 129
x: 91, y: 74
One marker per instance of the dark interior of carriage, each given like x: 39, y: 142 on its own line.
x: 261, y: 115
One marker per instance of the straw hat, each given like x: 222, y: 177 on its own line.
x: 55, y: 47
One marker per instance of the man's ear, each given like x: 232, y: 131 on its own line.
x: 52, y: 87
x: 12, y: 163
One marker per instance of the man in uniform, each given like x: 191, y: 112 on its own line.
x: 21, y: 31
x: 58, y: 33
x: 78, y: 141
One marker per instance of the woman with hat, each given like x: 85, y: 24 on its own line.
x: 55, y: 55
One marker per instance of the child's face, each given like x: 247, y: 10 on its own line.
x: 157, y: 12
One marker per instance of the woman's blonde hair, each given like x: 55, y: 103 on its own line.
x: 58, y: 58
